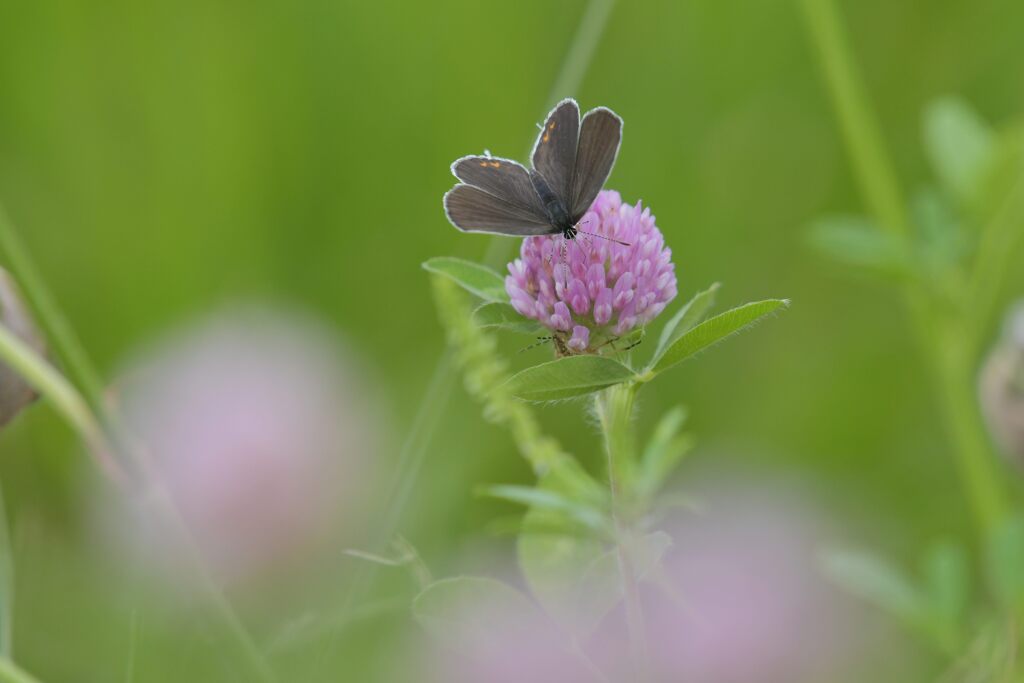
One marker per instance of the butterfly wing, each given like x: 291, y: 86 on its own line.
x: 504, y: 178
x: 495, y: 195
x: 472, y: 209
x: 599, y: 140
x: 554, y: 153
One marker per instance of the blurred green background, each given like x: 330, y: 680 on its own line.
x: 164, y: 158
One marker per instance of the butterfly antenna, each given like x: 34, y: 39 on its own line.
x: 594, y: 234
x: 635, y: 344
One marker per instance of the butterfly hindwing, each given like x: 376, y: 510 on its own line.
x: 554, y: 153
x: 599, y: 140
x: 506, y: 179
x: 472, y: 209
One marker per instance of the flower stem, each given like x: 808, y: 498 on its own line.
x: 1000, y: 239
x: 614, y: 407
x: 47, y: 315
x: 6, y: 584
x: 66, y: 399
x: 11, y: 673
x: 859, y: 126
x: 952, y: 364
x: 973, y: 452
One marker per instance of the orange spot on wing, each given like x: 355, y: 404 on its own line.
x: 495, y: 164
x: 547, y: 137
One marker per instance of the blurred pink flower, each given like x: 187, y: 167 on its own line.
x: 748, y: 602
x: 259, y: 433
x: 738, y: 598
x: 499, y: 646
x: 591, y: 288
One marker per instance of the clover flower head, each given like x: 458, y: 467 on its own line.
x: 591, y: 290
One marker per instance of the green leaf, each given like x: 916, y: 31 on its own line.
x: 503, y: 316
x: 473, y: 277
x: 552, y: 557
x: 567, y: 377
x: 546, y: 499
x: 692, y: 312
x: 878, y: 582
x: 941, y: 238
x: 959, y: 145
x: 1006, y: 562
x: 663, y: 452
x: 857, y: 241
x: 935, y: 610
x: 459, y: 612
x: 568, y: 478
x: 600, y: 587
x: 716, y: 329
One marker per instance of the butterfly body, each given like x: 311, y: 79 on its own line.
x: 571, y: 161
x: 558, y: 214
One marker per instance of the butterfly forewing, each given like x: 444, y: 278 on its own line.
x: 599, y: 139
x: 503, y: 178
x: 554, y: 154
x: 472, y: 209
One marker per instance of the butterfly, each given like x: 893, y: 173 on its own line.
x: 571, y: 160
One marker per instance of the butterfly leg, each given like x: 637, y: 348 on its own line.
x: 635, y: 344
x: 540, y: 342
